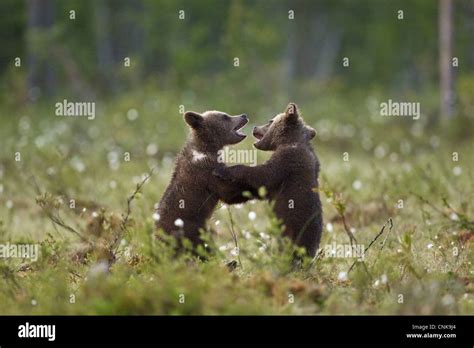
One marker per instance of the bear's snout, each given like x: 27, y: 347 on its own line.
x: 257, y: 132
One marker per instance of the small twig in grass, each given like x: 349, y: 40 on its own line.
x: 9, y: 276
x: 319, y: 255
x: 425, y: 201
x: 56, y: 219
x: 366, y: 270
x: 74, y: 273
x: 234, y: 236
x: 126, y: 218
x: 389, y: 221
x: 352, y: 238
x: 35, y: 185
x: 133, y: 196
x: 384, y: 240
x: 340, y: 207
x: 466, y: 223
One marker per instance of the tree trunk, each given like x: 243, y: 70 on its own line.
x: 445, y: 57
x: 104, y: 44
x: 40, y: 71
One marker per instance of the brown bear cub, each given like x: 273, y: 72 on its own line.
x: 193, y: 192
x: 290, y: 176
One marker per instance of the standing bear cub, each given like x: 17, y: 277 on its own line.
x: 193, y: 192
x: 290, y: 176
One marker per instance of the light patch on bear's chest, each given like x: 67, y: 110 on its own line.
x: 198, y: 156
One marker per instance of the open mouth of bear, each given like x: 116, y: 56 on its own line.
x: 258, y: 135
x: 238, y: 129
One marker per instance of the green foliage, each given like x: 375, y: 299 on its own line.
x: 85, y: 56
x: 98, y: 259
x: 105, y: 269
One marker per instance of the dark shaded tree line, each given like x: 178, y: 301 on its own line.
x: 362, y: 43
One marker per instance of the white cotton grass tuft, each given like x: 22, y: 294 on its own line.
x: 380, y: 151
x: 342, y: 276
x: 264, y: 235
x: 113, y: 159
x: 78, y: 165
x: 357, y: 185
x: 156, y: 217
x: 235, y: 251
x: 152, y: 149
x: 179, y: 222
x: 132, y: 114
x: 224, y: 247
x: 447, y: 300
x: 98, y: 269
x: 383, y: 280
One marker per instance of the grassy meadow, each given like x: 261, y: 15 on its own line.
x: 64, y: 184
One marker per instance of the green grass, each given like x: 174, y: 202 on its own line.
x: 426, y: 257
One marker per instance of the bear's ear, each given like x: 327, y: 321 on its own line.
x: 311, y: 133
x: 193, y: 119
x: 291, y: 112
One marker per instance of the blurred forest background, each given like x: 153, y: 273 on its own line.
x: 82, y: 54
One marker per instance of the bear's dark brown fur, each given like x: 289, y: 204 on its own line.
x: 290, y: 176
x: 193, y: 192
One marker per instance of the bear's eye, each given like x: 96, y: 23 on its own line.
x: 270, y: 121
x: 226, y: 117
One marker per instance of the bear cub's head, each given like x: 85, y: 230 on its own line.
x: 283, y: 129
x: 215, y: 129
